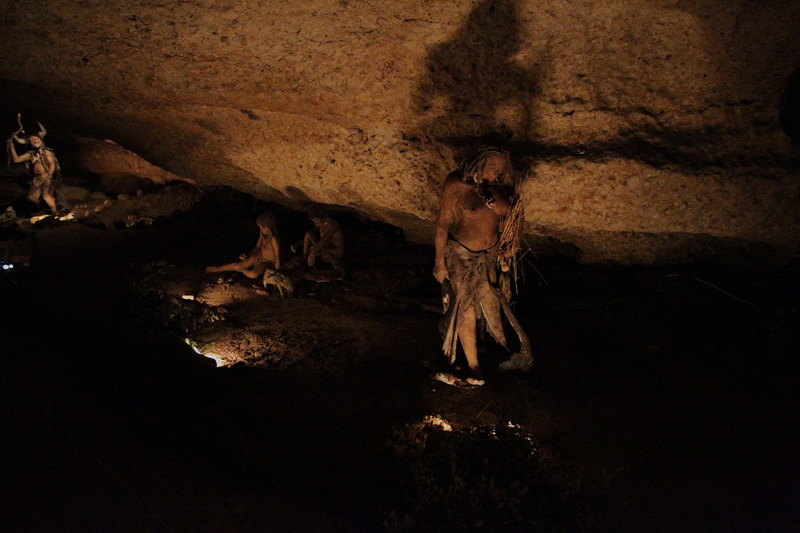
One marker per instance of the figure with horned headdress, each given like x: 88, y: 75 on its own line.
x: 46, y: 183
x: 472, y: 255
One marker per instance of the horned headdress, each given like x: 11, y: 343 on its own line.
x: 25, y: 140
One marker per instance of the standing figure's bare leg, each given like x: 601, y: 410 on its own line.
x: 33, y: 195
x: 50, y: 200
x: 466, y: 334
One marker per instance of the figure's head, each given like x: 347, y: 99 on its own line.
x: 318, y: 214
x: 494, y: 166
x: 490, y: 164
x: 35, y: 141
x: 267, y: 223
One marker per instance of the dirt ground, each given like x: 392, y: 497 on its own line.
x: 662, y: 398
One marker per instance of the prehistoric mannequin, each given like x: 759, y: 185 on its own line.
x: 474, y: 200
x: 265, y: 254
x: 45, y: 172
x: 326, y: 241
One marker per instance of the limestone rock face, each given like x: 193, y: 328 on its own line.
x: 647, y: 127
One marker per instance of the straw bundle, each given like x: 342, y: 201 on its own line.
x: 510, y: 238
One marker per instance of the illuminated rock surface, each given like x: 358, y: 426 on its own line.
x: 652, y: 128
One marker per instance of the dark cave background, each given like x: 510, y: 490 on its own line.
x: 664, y: 396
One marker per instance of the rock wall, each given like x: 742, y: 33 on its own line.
x: 650, y: 128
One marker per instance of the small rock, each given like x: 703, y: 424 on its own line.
x: 98, y: 196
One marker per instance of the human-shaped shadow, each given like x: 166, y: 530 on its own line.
x: 475, y: 72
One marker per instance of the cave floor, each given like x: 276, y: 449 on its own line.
x: 676, y: 386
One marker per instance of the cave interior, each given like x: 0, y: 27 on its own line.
x: 658, y: 281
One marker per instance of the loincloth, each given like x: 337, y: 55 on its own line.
x: 41, y: 184
x: 52, y: 185
x: 472, y: 276
x: 261, y: 265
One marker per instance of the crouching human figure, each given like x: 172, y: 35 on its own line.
x: 325, y: 243
x: 265, y: 254
x: 475, y: 199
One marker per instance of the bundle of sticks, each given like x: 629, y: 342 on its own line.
x: 510, y: 240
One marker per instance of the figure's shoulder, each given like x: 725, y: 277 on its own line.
x: 453, y: 182
x: 454, y: 176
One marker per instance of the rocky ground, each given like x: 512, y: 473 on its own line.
x: 662, y: 398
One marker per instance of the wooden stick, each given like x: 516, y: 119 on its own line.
x: 13, y: 137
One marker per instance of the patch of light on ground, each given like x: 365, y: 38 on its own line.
x: 218, y: 359
x: 436, y: 420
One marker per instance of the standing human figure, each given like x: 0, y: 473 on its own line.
x: 473, y: 200
x: 45, y: 172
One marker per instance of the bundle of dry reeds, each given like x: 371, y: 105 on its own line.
x: 510, y: 239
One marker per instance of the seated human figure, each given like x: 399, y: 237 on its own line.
x: 265, y: 254
x: 325, y: 242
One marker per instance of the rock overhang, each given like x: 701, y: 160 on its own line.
x: 641, y: 124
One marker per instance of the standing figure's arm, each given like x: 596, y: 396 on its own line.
x: 447, y: 205
x: 497, y: 197
x: 17, y: 158
x: 49, y: 164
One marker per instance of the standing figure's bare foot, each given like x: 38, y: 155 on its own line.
x: 447, y: 378
x: 474, y: 377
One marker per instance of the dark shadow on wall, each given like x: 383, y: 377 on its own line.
x: 790, y: 109
x: 474, y: 73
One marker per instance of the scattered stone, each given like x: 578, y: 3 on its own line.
x: 98, y: 196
